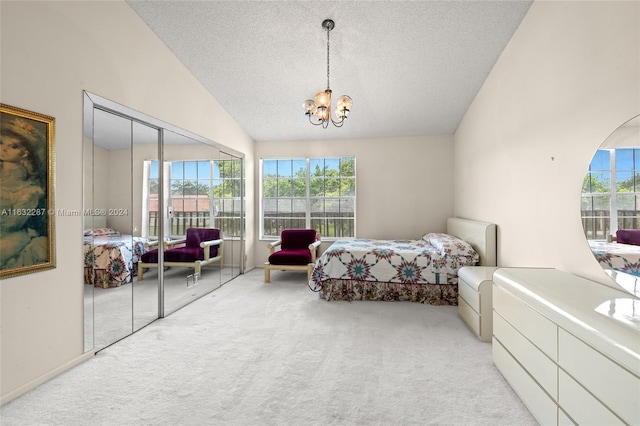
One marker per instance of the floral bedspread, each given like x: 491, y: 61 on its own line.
x: 112, y: 260
x: 616, y: 256
x: 391, y: 261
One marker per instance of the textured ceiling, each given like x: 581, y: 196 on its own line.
x: 411, y: 67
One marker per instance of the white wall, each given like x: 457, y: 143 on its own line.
x: 569, y: 77
x: 404, y: 185
x: 51, y: 52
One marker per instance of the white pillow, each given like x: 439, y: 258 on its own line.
x: 448, y: 245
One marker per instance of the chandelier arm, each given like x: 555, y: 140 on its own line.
x: 337, y: 123
x: 315, y: 124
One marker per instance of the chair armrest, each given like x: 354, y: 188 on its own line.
x: 211, y: 243
x: 172, y: 243
x: 313, y: 247
x: 205, y: 244
x: 150, y: 244
x: 273, y: 245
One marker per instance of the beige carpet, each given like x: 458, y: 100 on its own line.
x: 275, y: 354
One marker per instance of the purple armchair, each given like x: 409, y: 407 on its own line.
x: 628, y: 236
x: 298, y: 252
x: 201, y: 247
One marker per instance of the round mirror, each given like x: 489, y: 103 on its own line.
x: 611, y: 206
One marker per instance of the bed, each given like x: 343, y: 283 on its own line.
x: 617, y: 256
x: 620, y: 259
x: 422, y: 270
x: 111, y: 259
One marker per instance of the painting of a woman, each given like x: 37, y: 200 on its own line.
x: 25, y: 214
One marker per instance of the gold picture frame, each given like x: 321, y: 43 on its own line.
x: 27, y: 192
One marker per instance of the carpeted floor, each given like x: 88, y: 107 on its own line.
x: 275, y: 354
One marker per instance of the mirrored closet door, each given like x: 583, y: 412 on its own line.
x: 190, y: 216
x: 155, y: 196
x: 113, y: 240
x: 229, y: 210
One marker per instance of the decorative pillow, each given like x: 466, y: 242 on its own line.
x: 448, y: 245
x: 98, y: 232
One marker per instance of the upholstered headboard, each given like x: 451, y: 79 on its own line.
x: 481, y: 235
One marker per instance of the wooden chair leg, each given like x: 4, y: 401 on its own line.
x: 267, y: 273
x: 309, y: 271
x: 140, y: 272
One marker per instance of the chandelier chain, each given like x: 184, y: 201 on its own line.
x: 328, y: 31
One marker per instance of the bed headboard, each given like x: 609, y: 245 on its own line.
x: 481, y: 235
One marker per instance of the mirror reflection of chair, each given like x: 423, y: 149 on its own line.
x: 298, y: 252
x: 201, y: 247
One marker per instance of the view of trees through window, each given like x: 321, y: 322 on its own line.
x: 203, y: 193
x: 610, y: 192
x: 316, y: 193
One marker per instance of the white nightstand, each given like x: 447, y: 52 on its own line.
x: 474, y: 299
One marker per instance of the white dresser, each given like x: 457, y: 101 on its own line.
x: 569, y: 347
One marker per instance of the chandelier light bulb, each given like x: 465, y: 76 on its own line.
x: 323, y: 99
x: 343, y: 106
x: 309, y: 107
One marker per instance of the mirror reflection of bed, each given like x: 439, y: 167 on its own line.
x: 610, y: 206
x: 620, y: 258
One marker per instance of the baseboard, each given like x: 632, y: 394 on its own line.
x: 44, y: 378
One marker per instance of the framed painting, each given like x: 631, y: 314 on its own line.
x: 27, y: 198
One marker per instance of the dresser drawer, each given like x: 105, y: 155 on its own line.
x: 583, y: 408
x: 536, y: 363
x: 538, y: 329
x: 469, y: 316
x: 612, y: 384
x: 470, y: 295
x: 474, y: 284
x: 543, y: 408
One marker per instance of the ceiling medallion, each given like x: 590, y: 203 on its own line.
x: 319, y: 110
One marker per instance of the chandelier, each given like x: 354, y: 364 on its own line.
x: 320, y: 107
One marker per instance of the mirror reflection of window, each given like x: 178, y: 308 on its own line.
x: 204, y: 193
x: 596, y: 197
x: 610, y: 193
x: 609, y: 206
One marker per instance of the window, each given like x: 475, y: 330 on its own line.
x: 190, y: 195
x: 201, y: 193
x: 318, y: 193
x: 610, y: 192
x: 227, y: 196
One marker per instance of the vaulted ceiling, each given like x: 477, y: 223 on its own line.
x: 411, y: 67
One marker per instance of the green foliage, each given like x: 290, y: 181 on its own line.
x: 595, y: 183
x: 324, y: 182
x: 627, y: 185
x: 230, y: 183
x: 189, y: 187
